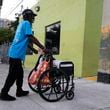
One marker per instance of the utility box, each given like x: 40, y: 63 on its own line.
x: 103, y: 77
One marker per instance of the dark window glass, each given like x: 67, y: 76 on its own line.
x: 52, y: 37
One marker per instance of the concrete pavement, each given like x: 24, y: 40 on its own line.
x: 89, y: 95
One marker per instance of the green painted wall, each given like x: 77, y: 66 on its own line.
x: 80, y: 25
x: 92, y: 37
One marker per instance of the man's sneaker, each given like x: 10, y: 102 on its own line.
x: 7, y: 97
x: 22, y: 93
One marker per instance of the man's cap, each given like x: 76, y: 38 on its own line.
x: 28, y: 11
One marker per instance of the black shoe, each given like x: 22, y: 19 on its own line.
x: 22, y: 93
x: 7, y: 97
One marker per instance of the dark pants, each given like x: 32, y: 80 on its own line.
x: 15, y: 74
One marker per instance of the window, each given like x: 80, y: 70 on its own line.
x: 52, y: 37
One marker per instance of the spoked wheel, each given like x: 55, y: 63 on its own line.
x: 57, y: 83
x: 32, y: 86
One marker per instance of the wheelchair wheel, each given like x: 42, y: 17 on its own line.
x: 33, y: 87
x: 57, y: 84
x: 69, y: 95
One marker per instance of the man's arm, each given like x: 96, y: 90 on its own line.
x: 36, y: 41
x: 33, y: 49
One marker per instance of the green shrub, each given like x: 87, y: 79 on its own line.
x: 6, y: 35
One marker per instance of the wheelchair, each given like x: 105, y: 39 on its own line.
x: 55, y: 80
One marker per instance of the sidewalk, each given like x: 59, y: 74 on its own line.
x: 89, y: 95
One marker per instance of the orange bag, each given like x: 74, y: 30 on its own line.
x: 36, y: 74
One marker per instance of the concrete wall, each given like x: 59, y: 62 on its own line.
x: 80, y: 31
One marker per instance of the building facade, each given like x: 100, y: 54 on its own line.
x: 4, y: 23
x: 78, y: 24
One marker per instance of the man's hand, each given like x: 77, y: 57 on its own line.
x: 46, y: 50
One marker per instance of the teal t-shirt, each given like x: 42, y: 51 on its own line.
x: 21, y: 40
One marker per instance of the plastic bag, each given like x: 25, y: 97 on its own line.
x: 43, y: 66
